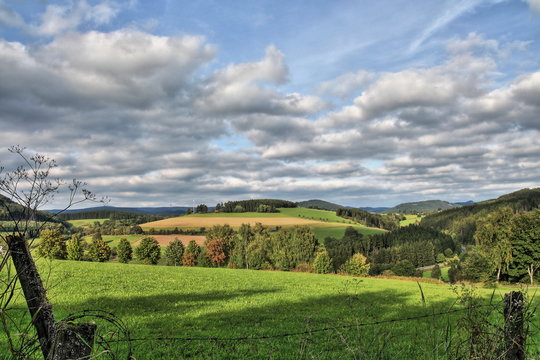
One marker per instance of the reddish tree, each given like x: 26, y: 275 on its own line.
x: 189, y: 259
x: 216, y: 252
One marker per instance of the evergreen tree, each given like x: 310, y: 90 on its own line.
x: 436, y: 272
x: 191, y: 254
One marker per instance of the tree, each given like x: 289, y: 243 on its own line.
x: 74, y: 248
x: 340, y: 250
x: 526, y: 245
x: 403, y: 268
x: 26, y: 189
x: 477, y: 265
x: 148, y: 251
x: 494, y: 235
x: 215, y: 252
x: 52, y: 244
x: 356, y: 265
x: 436, y: 272
x: 191, y: 254
x: 174, y: 252
x: 322, y: 263
x: 225, y: 234
x: 99, y: 251
x: 125, y: 251
x: 201, y: 209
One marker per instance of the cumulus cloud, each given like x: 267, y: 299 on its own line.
x: 344, y: 85
x: 243, y: 89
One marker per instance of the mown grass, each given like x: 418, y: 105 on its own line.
x: 180, y: 302
x: 240, y: 215
x: 113, y: 240
x: 444, y: 274
x: 86, y: 222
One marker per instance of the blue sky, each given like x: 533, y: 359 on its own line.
x: 358, y: 102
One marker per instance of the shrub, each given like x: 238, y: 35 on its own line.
x: 189, y: 259
x: 52, y: 244
x: 388, y: 273
x: 448, y: 253
x: 99, y: 251
x: 125, y: 252
x: 148, y: 251
x: 75, y: 248
x: 322, y: 263
x: 436, y: 272
x: 404, y: 268
x: 356, y: 265
x: 304, y: 268
x: 174, y: 252
x: 441, y: 258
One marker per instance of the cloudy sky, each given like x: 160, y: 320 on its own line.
x: 363, y: 103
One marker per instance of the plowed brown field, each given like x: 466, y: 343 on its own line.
x: 164, y: 240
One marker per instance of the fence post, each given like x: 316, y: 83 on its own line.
x: 514, y: 332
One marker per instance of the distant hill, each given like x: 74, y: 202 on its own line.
x: 465, y: 203
x: 427, y: 205
x: 319, y: 204
x: 461, y: 221
x: 166, y: 211
x: 375, y: 210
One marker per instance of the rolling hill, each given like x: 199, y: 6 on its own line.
x: 319, y: 204
x: 428, y: 205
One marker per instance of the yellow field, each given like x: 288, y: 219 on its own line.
x: 198, y: 222
x: 164, y: 240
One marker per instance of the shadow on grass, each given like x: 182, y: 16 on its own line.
x: 245, y: 313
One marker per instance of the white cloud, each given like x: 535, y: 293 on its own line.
x: 344, y: 85
x: 534, y: 5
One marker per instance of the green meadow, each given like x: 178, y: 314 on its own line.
x: 86, y: 222
x: 410, y: 219
x: 293, y: 315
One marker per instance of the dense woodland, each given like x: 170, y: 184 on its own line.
x: 257, y: 205
x: 388, y: 222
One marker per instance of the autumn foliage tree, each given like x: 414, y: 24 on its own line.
x: 215, y: 252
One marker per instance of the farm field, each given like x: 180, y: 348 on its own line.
x: 86, y: 222
x: 163, y: 240
x: 181, y: 302
x: 324, y: 223
x: 410, y: 219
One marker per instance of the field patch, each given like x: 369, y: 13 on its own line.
x: 410, y: 219
x: 86, y: 222
x: 209, y: 221
x: 164, y: 240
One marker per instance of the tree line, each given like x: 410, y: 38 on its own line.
x: 256, y: 205
x: 387, y: 222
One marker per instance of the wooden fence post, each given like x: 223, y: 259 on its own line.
x: 514, y: 331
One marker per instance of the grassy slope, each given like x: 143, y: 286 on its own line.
x: 86, y: 222
x: 334, y: 225
x: 410, y: 219
x: 159, y: 301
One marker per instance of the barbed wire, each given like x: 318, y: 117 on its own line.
x: 299, y: 333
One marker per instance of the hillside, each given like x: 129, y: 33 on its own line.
x: 319, y: 204
x: 461, y: 221
x: 169, y: 301
x: 173, y: 210
x: 419, y: 206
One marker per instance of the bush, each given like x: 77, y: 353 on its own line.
x: 404, y: 268
x: 304, y: 268
x: 125, y: 252
x: 75, y: 248
x: 388, y: 273
x: 448, y: 253
x: 441, y: 258
x: 436, y: 272
x: 52, y: 244
x: 322, y: 263
x: 148, y: 251
x: 99, y: 251
x: 356, y: 265
x: 174, y: 253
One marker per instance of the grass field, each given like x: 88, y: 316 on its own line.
x: 444, y: 274
x: 86, y: 222
x: 178, y: 302
x: 410, y: 219
x: 324, y: 223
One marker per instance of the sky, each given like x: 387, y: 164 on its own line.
x: 362, y: 103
